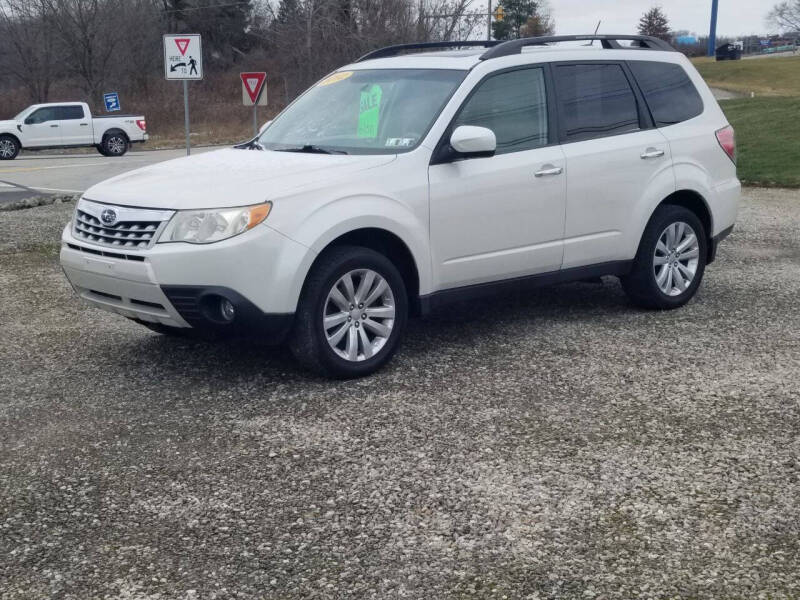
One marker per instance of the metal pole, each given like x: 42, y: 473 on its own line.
x: 255, y: 119
x: 186, y: 114
x: 712, y: 34
x: 489, y: 26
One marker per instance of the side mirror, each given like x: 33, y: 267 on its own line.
x: 471, y: 141
x: 29, y: 121
x: 264, y: 127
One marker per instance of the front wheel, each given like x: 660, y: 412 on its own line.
x: 351, y: 315
x: 671, y: 260
x: 114, y: 144
x: 9, y: 147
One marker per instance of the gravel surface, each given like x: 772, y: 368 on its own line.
x: 557, y: 445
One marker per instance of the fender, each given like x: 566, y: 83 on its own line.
x: 317, y: 229
x: 692, y: 176
x: 13, y: 135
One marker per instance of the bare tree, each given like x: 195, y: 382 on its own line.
x: 90, y: 32
x: 786, y: 15
x: 28, y: 48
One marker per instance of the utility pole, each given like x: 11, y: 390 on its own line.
x: 489, y: 25
x: 712, y: 34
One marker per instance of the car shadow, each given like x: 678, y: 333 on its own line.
x: 460, y: 324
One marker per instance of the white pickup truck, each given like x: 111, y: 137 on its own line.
x: 69, y: 125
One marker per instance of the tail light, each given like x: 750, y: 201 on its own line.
x: 142, y: 123
x: 727, y: 140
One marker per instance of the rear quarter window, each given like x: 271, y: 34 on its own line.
x: 596, y: 101
x: 669, y: 92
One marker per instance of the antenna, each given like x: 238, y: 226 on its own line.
x: 596, y: 29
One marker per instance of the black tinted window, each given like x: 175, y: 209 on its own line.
x: 669, y: 92
x: 66, y: 113
x: 596, y: 101
x: 514, y: 106
x: 43, y: 115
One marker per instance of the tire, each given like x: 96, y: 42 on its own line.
x: 360, y: 346
x: 99, y: 148
x: 9, y: 147
x: 658, y: 279
x: 115, y: 143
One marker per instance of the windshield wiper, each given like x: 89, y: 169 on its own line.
x: 251, y: 145
x: 310, y: 149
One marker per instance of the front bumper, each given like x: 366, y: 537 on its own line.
x: 181, y: 285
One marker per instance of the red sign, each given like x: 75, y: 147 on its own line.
x: 182, y: 44
x: 253, y: 84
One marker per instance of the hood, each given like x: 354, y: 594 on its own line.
x: 8, y: 125
x: 229, y: 177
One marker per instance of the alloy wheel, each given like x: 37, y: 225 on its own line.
x: 359, y: 315
x: 116, y: 145
x: 7, y: 148
x: 675, y: 259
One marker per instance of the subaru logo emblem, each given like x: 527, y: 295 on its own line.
x: 108, y: 216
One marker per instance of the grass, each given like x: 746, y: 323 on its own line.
x: 765, y: 77
x: 768, y: 125
x: 768, y: 139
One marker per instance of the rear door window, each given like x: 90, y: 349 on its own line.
x: 596, y: 101
x: 70, y: 113
x: 669, y: 92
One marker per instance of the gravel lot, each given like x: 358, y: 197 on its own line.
x: 557, y: 445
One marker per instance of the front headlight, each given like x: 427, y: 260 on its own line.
x: 214, y: 224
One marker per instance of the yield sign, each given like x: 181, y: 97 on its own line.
x: 182, y: 44
x: 253, y: 85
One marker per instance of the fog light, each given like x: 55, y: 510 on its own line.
x: 226, y: 309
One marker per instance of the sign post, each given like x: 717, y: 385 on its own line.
x: 254, y: 93
x: 183, y: 61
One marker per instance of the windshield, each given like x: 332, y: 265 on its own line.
x: 19, y: 116
x: 381, y: 111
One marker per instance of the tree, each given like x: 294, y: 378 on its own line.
x: 522, y: 18
x: 786, y: 15
x: 538, y: 25
x: 655, y: 23
x: 27, y: 49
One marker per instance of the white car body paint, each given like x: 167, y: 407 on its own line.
x: 56, y: 133
x: 465, y: 222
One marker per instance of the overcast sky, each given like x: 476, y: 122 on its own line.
x: 736, y: 17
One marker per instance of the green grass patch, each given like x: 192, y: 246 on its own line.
x: 768, y: 139
x: 764, y: 76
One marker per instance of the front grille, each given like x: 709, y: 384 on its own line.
x: 108, y: 253
x: 125, y: 234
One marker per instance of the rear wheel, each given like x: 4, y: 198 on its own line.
x: 671, y: 260
x: 9, y: 147
x: 114, y: 144
x: 351, y: 315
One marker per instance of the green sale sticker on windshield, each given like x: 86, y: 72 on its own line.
x: 369, y: 112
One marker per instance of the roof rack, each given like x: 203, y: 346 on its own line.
x: 608, y: 41
x: 395, y: 50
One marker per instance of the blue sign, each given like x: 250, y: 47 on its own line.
x: 764, y: 42
x: 112, y: 101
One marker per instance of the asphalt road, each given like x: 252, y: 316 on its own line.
x: 560, y: 444
x: 38, y: 172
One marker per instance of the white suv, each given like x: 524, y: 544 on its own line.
x: 406, y: 181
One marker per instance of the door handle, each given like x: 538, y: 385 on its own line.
x: 84, y: 124
x: 53, y: 125
x: 549, y: 171
x: 652, y: 153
